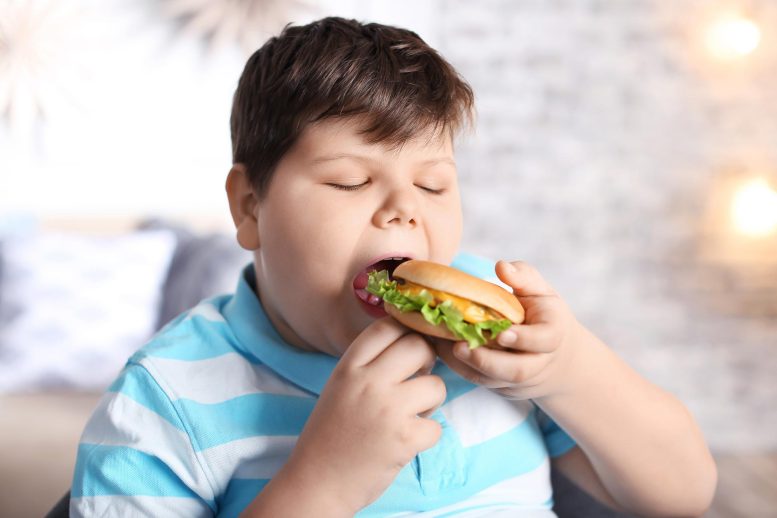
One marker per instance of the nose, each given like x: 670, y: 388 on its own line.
x: 399, y: 208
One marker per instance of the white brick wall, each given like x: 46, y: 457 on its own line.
x: 602, y: 130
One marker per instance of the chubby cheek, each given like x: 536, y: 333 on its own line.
x: 304, y: 237
x: 307, y: 265
x: 305, y: 262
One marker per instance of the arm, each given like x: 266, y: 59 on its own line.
x: 296, y: 491
x: 577, y: 468
x: 641, y: 442
x: 647, y: 452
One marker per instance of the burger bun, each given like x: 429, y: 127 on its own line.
x: 450, y: 280
x: 416, y: 321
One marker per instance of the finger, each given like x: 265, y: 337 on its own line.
x: 445, y: 351
x: 408, y: 355
x: 536, y: 338
x: 507, y: 366
x: 525, y: 280
x: 373, y: 341
x: 423, y: 394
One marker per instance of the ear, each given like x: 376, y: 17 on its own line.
x: 244, y: 205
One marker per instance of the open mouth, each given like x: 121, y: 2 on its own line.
x: 369, y: 300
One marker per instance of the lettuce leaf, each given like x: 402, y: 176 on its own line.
x: 378, y: 283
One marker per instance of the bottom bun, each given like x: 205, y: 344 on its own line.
x: 416, y: 321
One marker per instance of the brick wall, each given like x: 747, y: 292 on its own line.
x: 604, y: 130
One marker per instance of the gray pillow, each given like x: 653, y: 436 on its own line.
x: 1, y: 279
x: 202, y: 266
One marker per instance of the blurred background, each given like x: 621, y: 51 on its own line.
x: 626, y: 149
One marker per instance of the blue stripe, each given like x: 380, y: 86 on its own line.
x: 245, y: 416
x: 118, y: 470
x: 506, y: 456
x: 475, y: 265
x: 455, y: 385
x: 239, y: 493
x: 559, y: 443
x: 136, y: 383
x: 513, y: 453
x: 218, y: 423
x: 194, y: 339
x: 556, y: 439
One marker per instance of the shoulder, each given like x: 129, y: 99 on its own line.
x: 201, y: 332
x: 184, y: 362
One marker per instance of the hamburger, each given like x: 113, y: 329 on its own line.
x: 441, y: 301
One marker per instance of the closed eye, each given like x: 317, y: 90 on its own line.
x: 343, y: 187
x: 430, y: 190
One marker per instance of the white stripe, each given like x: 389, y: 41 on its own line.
x: 249, y: 458
x: 120, y: 421
x: 527, y: 493
x: 530, y: 488
x: 206, y: 311
x: 480, y: 415
x: 132, y: 506
x: 194, y: 379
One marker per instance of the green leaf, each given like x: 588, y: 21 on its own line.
x: 378, y: 283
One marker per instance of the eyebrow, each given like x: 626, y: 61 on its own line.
x: 364, y: 158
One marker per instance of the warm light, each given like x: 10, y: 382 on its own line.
x: 45, y: 47
x: 754, y: 209
x: 733, y: 37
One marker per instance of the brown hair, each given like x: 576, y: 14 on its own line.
x: 336, y: 68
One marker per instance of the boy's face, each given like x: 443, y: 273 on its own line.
x: 337, y: 205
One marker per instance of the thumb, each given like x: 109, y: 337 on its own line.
x: 523, y: 278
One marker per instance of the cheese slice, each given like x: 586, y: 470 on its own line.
x: 472, y: 312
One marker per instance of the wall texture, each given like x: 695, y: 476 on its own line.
x: 604, y: 134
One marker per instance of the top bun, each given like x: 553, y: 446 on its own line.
x: 450, y: 280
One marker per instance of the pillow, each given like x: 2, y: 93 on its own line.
x: 75, y: 307
x: 13, y: 224
x: 203, y: 266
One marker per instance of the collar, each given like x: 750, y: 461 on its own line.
x: 258, y: 338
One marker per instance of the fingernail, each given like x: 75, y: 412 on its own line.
x: 461, y: 350
x: 507, y: 337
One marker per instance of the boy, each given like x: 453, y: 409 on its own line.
x: 343, y: 161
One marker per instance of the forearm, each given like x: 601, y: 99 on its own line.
x: 642, y: 442
x: 295, y: 492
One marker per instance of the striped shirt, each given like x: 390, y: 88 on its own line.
x: 203, y: 416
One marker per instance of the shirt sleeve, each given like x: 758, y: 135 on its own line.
x: 557, y: 440
x: 135, y: 457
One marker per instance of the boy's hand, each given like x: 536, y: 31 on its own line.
x: 366, y: 425
x: 534, y: 357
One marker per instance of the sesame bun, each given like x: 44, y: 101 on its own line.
x: 454, y: 282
